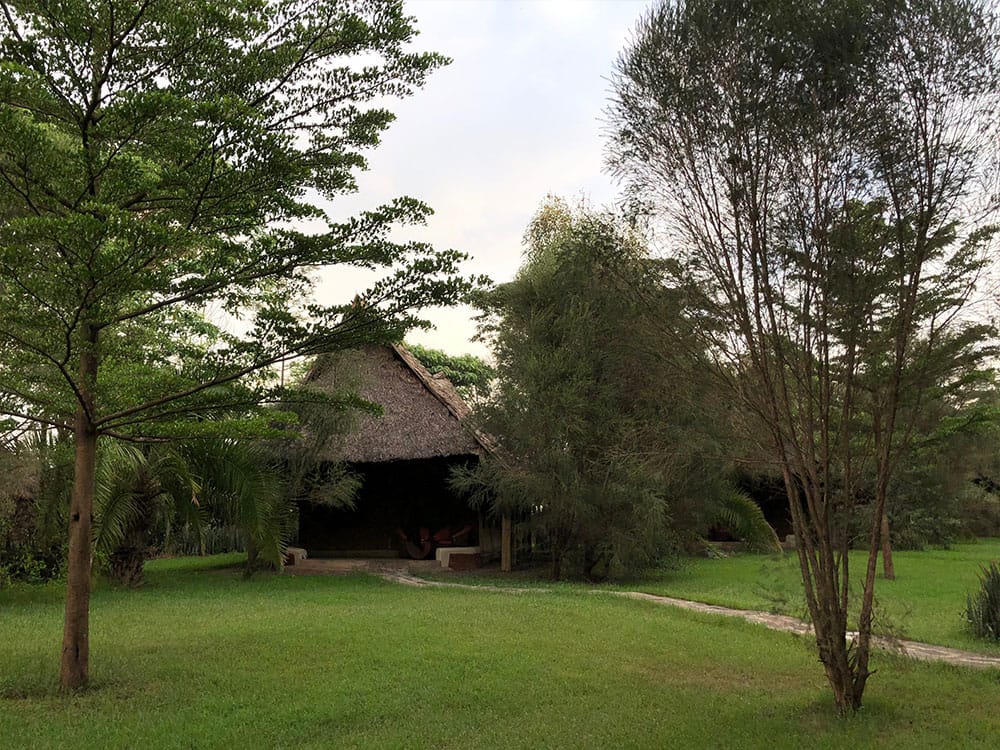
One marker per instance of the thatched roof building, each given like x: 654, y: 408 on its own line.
x: 403, y: 457
x: 18, y: 475
x: 423, y: 415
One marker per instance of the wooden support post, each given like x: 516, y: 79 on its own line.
x: 506, y: 548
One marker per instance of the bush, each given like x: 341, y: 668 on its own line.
x: 916, y: 528
x: 983, y: 610
x: 32, y: 547
x: 29, y: 566
x: 212, y: 539
x: 979, y: 511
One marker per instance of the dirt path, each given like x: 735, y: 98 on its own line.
x: 912, y: 649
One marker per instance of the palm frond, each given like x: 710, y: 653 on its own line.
x: 240, y: 487
x: 116, y: 509
x: 742, y: 517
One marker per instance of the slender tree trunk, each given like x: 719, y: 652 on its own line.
x: 888, y: 569
x: 862, y: 645
x: 506, y: 546
x: 75, y: 660
x: 824, y: 601
x: 557, y: 554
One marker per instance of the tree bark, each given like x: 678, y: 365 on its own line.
x: 888, y: 569
x: 823, y: 597
x: 505, y: 544
x: 75, y: 659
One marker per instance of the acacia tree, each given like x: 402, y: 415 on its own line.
x: 824, y: 169
x: 161, y: 157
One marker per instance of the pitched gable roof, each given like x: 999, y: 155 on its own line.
x: 422, y: 416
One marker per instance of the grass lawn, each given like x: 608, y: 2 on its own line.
x: 202, y: 658
x: 924, y: 603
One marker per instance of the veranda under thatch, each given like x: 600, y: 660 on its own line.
x: 403, y: 458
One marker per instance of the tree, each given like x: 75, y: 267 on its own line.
x: 951, y: 441
x: 138, y: 487
x: 591, y: 446
x: 470, y: 375
x: 158, y: 159
x: 824, y: 171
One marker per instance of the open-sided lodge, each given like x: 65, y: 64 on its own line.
x: 405, y: 507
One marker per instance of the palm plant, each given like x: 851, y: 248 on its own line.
x: 737, y: 512
x: 35, y: 466
x: 145, y: 488
x: 241, y: 487
x: 140, y: 488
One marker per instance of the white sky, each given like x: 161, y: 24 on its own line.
x: 516, y: 116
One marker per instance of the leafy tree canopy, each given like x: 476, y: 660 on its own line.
x: 603, y: 432
x: 828, y: 174
x: 467, y: 372
x: 158, y: 158
x: 162, y: 159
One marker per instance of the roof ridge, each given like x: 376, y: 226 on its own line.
x: 450, y: 398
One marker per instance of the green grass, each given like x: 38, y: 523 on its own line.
x: 924, y: 603
x: 202, y: 658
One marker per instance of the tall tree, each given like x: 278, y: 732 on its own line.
x: 161, y: 157
x: 591, y: 446
x: 828, y: 172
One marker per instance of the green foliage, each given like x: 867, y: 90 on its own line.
x: 33, y: 507
x: 241, y: 487
x: 210, y: 539
x: 932, y: 498
x: 146, y: 491
x: 743, y: 518
x: 161, y: 159
x: 802, y: 157
x: 140, y: 488
x: 978, y: 511
x: 600, y: 422
x: 982, y: 611
x: 470, y: 375
x: 26, y: 567
x: 164, y: 158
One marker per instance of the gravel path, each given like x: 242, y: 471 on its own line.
x: 912, y: 649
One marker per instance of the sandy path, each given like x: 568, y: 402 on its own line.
x: 912, y: 649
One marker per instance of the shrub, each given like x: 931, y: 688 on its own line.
x: 916, y: 528
x: 29, y: 566
x: 978, y: 511
x: 983, y: 610
x: 32, y: 547
x: 212, y: 539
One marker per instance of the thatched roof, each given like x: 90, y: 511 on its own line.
x: 422, y: 416
x: 18, y: 474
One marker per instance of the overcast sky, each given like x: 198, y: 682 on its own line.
x: 516, y: 116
